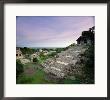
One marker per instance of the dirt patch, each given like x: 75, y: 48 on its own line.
x: 29, y: 71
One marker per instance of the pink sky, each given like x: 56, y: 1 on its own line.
x: 50, y: 31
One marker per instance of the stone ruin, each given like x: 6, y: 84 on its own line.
x: 66, y: 63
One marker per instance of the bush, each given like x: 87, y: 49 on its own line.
x: 35, y: 60
x: 19, y: 68
x: 58, y: 50
x: 41, y: 54
x: 89, y: 54
x: 52, y: 54
x: 26, y: 50
x: 89, y: 64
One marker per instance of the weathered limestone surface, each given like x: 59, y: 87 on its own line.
x: 68, y: 62
x: 24, y: 61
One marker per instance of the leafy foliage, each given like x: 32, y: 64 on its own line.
x: 89, y: 54
x: 89, y: 64
x: 52, y: 54
x: 35, y: 60
x: 58, y: 50
x: 19, y: 68
x: 26, y: 50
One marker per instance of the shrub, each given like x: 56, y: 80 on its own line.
x: 26, y: 50
x: 89, y: 64
x: 35, y: 60
x: 52, y: 54
x: 19, y: 68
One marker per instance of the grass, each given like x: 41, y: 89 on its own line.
x: 39, y: 77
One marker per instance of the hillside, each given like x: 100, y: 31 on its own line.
x: 60, y: 65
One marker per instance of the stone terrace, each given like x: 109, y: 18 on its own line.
x: 57, y: 66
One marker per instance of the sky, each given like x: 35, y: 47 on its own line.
x: 50, y: 31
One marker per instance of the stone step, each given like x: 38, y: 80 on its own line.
x: 64, y: 60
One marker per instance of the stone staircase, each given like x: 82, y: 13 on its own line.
x: 59, y: 66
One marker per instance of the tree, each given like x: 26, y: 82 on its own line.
x: 87, y: 59
x: 89, y: 64
x: 19, y: 68
x: 26, y: 50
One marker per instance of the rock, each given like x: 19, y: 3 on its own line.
x: 67, y: 62
x: 24, y: 61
